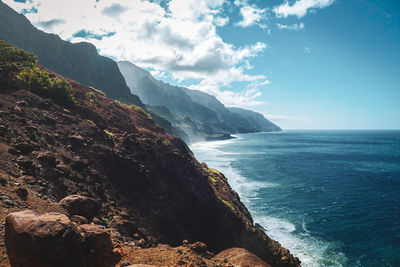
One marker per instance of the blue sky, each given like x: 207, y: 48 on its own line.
x: 304, y: 64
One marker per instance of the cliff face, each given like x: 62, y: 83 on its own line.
x: 117, y: 155
x: 252, y: 121
x: 80, y: 61
x: 198, y: 114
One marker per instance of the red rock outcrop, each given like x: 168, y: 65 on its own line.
x: 240, y: 257
x: 82, y: 206
x: 51, y: 239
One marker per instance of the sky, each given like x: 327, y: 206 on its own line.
x: 303, y: 64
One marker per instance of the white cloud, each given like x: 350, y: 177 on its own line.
x: 192, y: 9
x: 159, y: 74
x: 252, y: 15
x: 221, y: 21
x: 178, y: 40
x: 294, y: 27
x: 300, y: 7
x: 246, y: 99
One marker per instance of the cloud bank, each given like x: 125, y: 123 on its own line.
x: 251, y: 15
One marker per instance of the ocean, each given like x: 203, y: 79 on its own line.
x: 331, y: 197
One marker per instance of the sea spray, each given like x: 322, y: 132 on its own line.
x: 311, y: 251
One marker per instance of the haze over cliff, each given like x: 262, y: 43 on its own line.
x: 198, y: 114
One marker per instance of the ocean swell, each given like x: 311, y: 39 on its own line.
x: 311, y: 251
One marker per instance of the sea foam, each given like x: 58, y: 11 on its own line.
x: 311, y: 251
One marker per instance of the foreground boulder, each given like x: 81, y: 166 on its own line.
x: 240, y: 257
x: 51, y: 239
x: 81, y: 205
x: 34, y: 239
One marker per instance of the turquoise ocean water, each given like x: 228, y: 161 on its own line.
x: 331, y: 197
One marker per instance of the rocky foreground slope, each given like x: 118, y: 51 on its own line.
x: 152, y: 194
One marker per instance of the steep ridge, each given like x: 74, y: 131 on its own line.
x: 252, y: 121
x: 116, y: 154
x: 198, y: 114
x: 80, y: 61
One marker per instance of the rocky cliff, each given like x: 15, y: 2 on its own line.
x: 150, y: 188
x: 199, y: 115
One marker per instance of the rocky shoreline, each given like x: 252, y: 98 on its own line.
x: 154, y: 200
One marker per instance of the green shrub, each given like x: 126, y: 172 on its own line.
x: 60, y: 92
x: 17, y: 63
x: 91, y: 97
x: 40, y: 83
x: 13, y: 59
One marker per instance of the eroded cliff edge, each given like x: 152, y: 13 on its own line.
x: 117, y: 155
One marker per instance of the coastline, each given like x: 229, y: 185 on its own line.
x: 279, y: 229
x: 292, y: 183
x: 222, y: 137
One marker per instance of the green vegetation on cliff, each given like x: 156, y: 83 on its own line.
x: 17, y: 63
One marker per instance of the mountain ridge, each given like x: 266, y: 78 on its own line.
x: 198, y: 114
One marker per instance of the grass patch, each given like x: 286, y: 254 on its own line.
x: 134, y: 107
x: 109, y: 134
x: 213, y: 180
x: 97, y: 91
x: 91, y: 122
x: 213, y: 174
x: 214, y: 171
x: 229, y: 205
